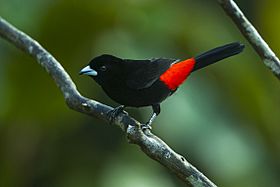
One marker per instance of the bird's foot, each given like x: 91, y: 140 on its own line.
x: 112, y: 114
x: 146, y: 126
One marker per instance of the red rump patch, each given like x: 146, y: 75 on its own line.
x: 177, y: 73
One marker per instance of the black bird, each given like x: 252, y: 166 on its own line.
x: 140, y: 83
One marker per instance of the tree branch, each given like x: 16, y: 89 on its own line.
x: 150, y: 144
x: 251, y: 34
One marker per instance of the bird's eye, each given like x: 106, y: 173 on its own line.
x: 103, y: 68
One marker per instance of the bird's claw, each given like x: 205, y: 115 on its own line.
x: 146, y: 126
x: 112, y: 114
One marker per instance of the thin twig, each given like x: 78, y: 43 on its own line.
x: 153, y: 146
x: 251, y: 34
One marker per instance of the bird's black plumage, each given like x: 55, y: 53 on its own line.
x: 129, y: 82
x: 217, y: 54
x: 137, y: 83
x: 145, y: 72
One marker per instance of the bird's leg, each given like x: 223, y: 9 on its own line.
x: 112, y: 114
x: 156, y: 111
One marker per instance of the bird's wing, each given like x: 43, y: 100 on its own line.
x: 143, y: 73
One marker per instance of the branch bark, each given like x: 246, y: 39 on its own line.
x: 150, y: 144
x: 251, y: 34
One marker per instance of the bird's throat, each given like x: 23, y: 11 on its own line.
x: 177, y: 73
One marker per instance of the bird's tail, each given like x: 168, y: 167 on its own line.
x: 217, y: 54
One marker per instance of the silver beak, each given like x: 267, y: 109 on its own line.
x: 88, y: 71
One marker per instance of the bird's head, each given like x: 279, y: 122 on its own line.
x: 103, y: 68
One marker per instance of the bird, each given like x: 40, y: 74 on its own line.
x: 142, y: 83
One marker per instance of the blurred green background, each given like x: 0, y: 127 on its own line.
x: 225, y: 119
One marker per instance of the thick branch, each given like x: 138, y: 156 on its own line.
x: 252, y: 35
x: 153, y: 146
